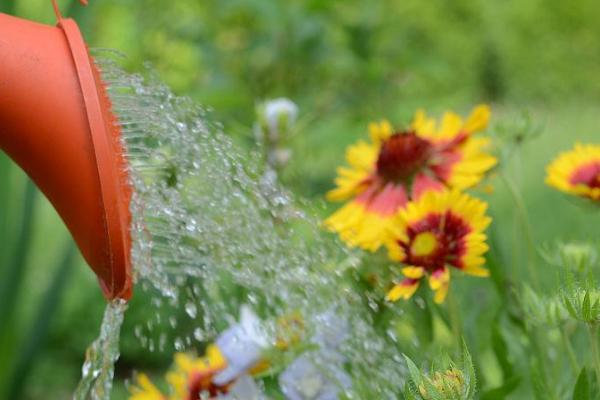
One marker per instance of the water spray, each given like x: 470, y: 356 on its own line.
x: 56, y: 123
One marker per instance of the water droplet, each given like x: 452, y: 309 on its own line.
x: 178, y: 344
x: 191, y: 310
x: 199, y: 335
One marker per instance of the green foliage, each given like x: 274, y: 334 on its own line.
x: 579, y: 257
x: 582, y: 300
x: 546, y: 311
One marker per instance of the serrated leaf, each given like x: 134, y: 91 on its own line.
x: 415, y: 373
x: 581, y: 391
x: 570, y: 307
x: 471, y: 379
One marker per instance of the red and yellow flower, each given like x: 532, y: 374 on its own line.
x: 397, y: 166
x: 577, y: 171
x: 189, y: 378
x: 440, y: 231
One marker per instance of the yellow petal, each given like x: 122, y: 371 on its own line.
x: 413, y: 272
x: 440, y: 294
x: 477, y: 271
x: 478, y: 120
x: 451, y: 125
x: 439, y: 278
x: 403, y: 290
x: 145, y: 389
x: 216, y: 359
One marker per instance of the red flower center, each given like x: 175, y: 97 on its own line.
x: 201, y: 384
x: 445, y: 232
x: 588, y: 175
x: 402, y: 155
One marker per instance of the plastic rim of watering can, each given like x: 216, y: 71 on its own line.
x: 108, y: 149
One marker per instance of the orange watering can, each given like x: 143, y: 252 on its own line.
x: 56, y: 123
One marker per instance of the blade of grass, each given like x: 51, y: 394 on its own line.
x: 39, y: 330
x: 10, y: 283
x: 12, y: 274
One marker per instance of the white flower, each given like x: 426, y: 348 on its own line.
x: 244, y: 388
x: 332, y: 330
x: 314, y: 376
x: 242, y: 346
x: 280, y: 115
x: 319, y: 375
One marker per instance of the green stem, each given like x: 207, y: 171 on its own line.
x: 455, y: 320
x: 528, y: 230
x: 569, y: 348
x: 593, y: 333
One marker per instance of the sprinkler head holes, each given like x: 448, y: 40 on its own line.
x: 56, y: 123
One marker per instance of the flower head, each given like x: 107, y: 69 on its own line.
x: 280, y: 114
x: 189, y: 378
x: 441, y: 230
x: 397, y: 166
x: 236, y: 352
x: 194, y: 376
x: 577, y: 172
x: 449, y: 384
x: 314, y: 376
x: 242, y: 346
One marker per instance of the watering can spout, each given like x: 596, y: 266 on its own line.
x: 56, y: 123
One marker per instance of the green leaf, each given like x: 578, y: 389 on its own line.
x: 469, y: 369
x: 581, y: 391
x: 415, y: 373
x: 586, y: 310
x: 569, y: 306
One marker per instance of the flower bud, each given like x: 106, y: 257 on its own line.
x: 281, y: 115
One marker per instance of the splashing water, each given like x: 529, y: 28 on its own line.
x: 98, y: 370
x: 211, y: 233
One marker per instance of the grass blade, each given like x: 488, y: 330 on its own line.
x: 41, y: 324
x: 14, y: 274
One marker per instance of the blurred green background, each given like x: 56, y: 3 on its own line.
x: 345, y: 63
